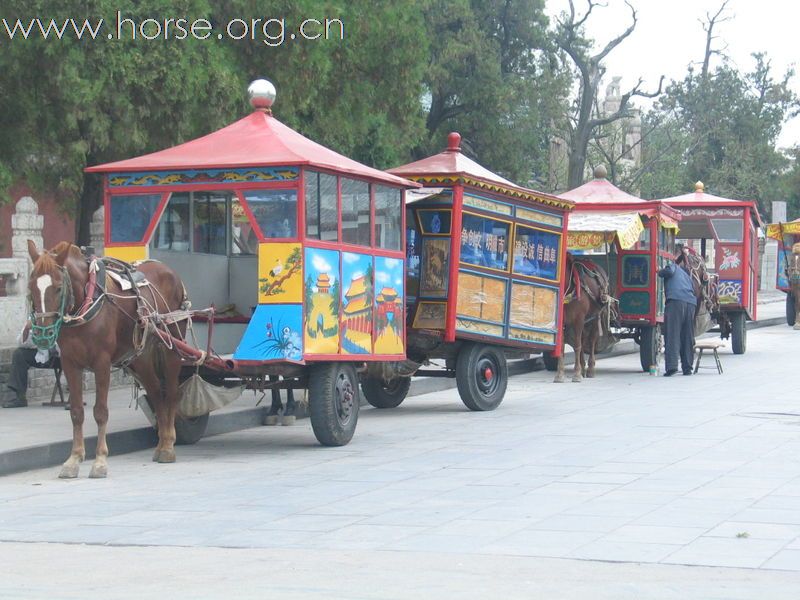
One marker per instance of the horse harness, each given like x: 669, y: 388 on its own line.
x: 96, y: 295
x: 577, y: 286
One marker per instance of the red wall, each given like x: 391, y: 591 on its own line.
x: 58, y: 225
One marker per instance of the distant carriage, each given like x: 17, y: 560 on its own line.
x: 722, y: 232
x: 631, y: 239
x: 788, y: 267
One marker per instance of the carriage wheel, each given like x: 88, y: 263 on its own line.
x: 738, y: 333
x: 481, y: 376
x: 550, y: 361
x: 333, y: 403
x: 791, y: 311
x: 190, y: 430
x: 382, y: 395
x: 649, y: 344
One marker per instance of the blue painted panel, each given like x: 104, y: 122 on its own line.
x: 274, y: 333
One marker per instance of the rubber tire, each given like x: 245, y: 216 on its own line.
x: 791, y: 313
x: 329, y: 428
x: 467, y: 363
x: 738, y: 333
x: 649, y: 340
x: 379, y: 395
x: 550, y: 361
x: 189, y: 431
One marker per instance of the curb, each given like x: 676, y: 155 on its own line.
x: 143, y: 438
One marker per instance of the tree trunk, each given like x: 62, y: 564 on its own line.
x: 90, y: 200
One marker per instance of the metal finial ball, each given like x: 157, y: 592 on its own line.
x: 261, y: 93
x: 600, y: 172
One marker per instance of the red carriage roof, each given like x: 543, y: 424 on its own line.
x: 257, y: 140
x: 452, y: 163
x: 700, y: 198
x: 601, y: 194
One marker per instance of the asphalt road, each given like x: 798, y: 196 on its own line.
x: 626, y: 486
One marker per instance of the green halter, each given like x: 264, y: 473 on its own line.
x: 44, y: 337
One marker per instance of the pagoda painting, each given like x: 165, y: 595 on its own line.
x: 389, y: 313
x: 321, y: 331
x: 356, y: 303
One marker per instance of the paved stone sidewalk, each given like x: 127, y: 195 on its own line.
x: 701, y: 470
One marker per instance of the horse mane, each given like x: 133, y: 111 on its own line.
x: 46, y: 263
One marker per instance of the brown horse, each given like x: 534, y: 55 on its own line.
x: 793, y: 272
x: 705, y: 290
x: 587, y: 307
x: 97, y: 325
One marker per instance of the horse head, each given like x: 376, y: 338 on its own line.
x: 50, y: 291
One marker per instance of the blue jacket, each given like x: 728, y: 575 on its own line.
x: 677, y: 284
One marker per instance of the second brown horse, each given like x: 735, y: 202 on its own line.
x: 587, y: 306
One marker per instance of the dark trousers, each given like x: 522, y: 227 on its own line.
x: 22, y: 360
x: 678, y: 335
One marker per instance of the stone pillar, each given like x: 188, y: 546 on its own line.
x: 97, y: 231
x: 26, y: 224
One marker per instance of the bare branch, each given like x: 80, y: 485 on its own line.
x: 617, y: 40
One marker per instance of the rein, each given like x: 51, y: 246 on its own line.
x: 45, y: 337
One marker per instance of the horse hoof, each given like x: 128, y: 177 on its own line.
x: 98, y: 472
x: 797, y: 326
x: 156, y: 455
x: 590, y: 375
x: 271, y: 420
x: 69, y: 472
x: 167, y: 456
x: 577, y: 379
x: 558, y: 380
x: 288, y: 420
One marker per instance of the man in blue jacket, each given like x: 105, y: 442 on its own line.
x: 678, y: 318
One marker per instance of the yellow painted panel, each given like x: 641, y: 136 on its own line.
x: 280, y: 273
x: 128, y: 253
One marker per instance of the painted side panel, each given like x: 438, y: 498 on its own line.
x: 273, y: 334
x: 128, y: 253
x: 280, y: 273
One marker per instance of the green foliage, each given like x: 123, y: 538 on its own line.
x: 492, y: 76
x: 727, y: 125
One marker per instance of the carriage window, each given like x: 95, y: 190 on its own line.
x: 322, y: 214
x: 388, y: 218
x: 131, y: 215
x: 727, y: 230
x: 356, y: 223
x: 244, y: 239
x: 644, y: 239
x: 172, y: 232
x: 210, y: 210
x: 275, y: 211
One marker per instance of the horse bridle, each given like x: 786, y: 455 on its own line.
x: 44, y: 337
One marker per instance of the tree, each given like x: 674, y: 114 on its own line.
x: 72, y: 103
x: 586, y: 121
x: 492, y: 74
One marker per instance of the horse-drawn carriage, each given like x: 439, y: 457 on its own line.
x: 631, y: 239
x: 303, y: 252
x: 723, y: 233
x: 788, y: 267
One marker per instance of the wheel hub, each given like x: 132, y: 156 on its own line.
x: 344, y: 398
x: 485, y: 376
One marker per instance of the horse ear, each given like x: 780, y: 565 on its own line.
x: 62, y: 254
x: 33, y: 251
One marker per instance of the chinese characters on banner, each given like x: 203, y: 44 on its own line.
x: 536, y: 253
x: 484, y: 242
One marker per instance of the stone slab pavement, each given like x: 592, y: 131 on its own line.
x: 625, y: 486
x: 39, y: 436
